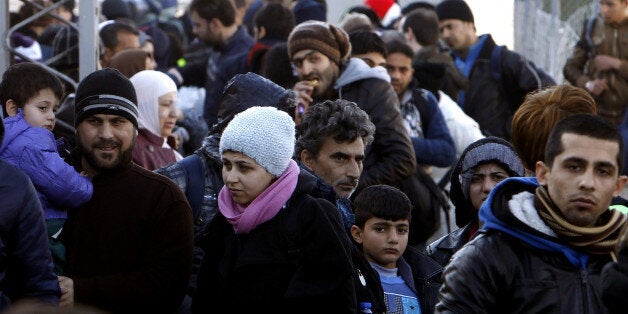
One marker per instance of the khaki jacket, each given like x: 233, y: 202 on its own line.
x: 608, y: 39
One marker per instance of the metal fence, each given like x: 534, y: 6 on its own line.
x: 547, y: 30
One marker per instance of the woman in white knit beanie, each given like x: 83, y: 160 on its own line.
x: 272, y: 245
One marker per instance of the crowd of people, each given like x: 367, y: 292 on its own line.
x: 249, y: 155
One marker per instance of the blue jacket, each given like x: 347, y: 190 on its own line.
x: 437, y: 147
x: 34, y: 151
x: 26, y: 269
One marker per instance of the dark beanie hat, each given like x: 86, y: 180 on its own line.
x: 115, y: 9
x: 105, y: 91
x: 322, y: 37
x: 454, y: 10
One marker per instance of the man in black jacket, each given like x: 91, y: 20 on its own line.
x: 544, y: 240
x: 499, y: 78
x: 320, y: 55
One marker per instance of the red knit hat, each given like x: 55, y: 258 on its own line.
x: 380, y: 6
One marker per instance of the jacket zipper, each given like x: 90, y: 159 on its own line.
x: 585, y: 295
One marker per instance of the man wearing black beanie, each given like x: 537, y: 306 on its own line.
x: 128, y: 249
x: 499, y: 78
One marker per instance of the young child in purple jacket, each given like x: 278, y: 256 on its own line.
x: 29, y: 95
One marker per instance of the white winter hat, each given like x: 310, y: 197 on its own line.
x: 265, y: 134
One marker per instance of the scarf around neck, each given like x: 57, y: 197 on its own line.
x: 264, y: 207
x: 600, y: 239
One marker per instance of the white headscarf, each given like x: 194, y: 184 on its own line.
x: 149, y: 86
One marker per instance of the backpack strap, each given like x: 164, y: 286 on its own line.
x: 420, y: 100
x: 193, y: 168
x: 496, y: 64
x: 446, y: 178
x: 438, y: 192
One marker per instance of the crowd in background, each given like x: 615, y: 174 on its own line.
x: 247, y: 155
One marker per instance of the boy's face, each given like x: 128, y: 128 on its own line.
x: 383, y: 241
x: 39, y: 110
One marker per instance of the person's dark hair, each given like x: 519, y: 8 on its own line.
x: 417, y: 5
x: 277, y: 20
x: 586, y: 125
x: 397, y: 46
x: 223, y: 10
x: 424, y: 25
x: 430, y: 76
x: 343, y: 120
x: 364, y: 42
x: 109, y: 33
x: 276, y: 66
x: 24, y: 80
x: 381, y: 201
x: 368, y: 12
x: 68, y: 5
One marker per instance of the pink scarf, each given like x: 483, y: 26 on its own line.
x: 264, y: 207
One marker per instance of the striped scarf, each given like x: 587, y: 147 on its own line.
x: 600, y: 239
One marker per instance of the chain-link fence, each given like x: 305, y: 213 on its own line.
x: 547, y: 30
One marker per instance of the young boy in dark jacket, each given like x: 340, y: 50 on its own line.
x: 410, y: 279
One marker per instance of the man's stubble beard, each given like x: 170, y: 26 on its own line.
x: 124, y: 158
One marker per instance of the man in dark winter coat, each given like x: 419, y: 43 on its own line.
x: 129, y: 249
x: 331, y: 141
x: 499, y: 78
x: 320, y: 54
x: 214, y: 23
x: 552, y: 234
x: 421, y: 29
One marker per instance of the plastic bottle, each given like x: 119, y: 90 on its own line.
x: 365, y: 307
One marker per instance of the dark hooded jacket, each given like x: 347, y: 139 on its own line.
x: 442, y: 249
